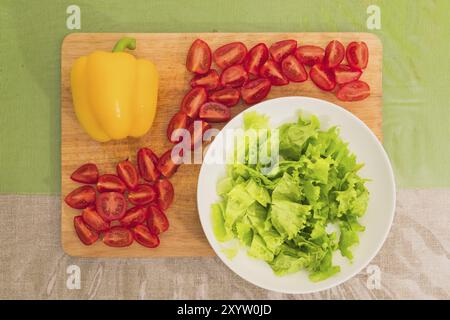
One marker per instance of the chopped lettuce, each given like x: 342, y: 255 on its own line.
x: 259, y: 250
x: 254, y: 120
x: 289, y: 217
x: 219, y: 229
x: 282, y: 215
x: 258, y: 193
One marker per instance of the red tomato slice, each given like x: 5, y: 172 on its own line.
x: 293, y: 69
x: 147, y: 162
x: 281, y: 49
x: 193, y: 100
x: 357, y: 54
x: 165, y: 193
x: 345, y: 74
x: 111, y: 205
x: 255, y: 90
x: 209, y: 81
x: 86, y: 234
x: 144, y: 237
x: 322, y: 77
x: 228, y: 96
x: 128, y: 174
x: 310, y: 55
x: 157, y: 220
x: 166, y: 165
x: 353, y: 91
x: 110, y: 182
x: 215, y: 112
x: 234, y: 76
x: 81, y: 197
x: 94, y: 220
x: 134, y: 216
x: 196, y: 133
x: 334, y: 54
x: 270, y: 70
x: 180, y: 120
x: 118, y: 237
x: 230, y: 54
x: 256, y: 57
x: 142, y: 195
x: 87, y: 173
x: 199, y: 57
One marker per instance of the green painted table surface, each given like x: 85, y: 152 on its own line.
x: 415, y: 36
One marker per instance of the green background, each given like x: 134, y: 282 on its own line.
x: 415, y: 36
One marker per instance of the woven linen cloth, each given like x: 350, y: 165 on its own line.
x: 413, y: 263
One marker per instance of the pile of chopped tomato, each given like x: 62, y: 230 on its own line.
x: 126, y: 206
x: 250, y: 75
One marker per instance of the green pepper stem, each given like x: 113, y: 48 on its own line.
x: 125, y: 43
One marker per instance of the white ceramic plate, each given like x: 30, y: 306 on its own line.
x: 377, y: 220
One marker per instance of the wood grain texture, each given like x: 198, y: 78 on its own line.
x: 168, y: 51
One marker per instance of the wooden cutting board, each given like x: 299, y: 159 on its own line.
x: 168, y: 51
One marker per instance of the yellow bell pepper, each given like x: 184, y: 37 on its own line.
x: 114, y: 94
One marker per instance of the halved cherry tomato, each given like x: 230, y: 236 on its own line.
x: 142, y: 195
x: 270, y: 70
x: 147, y: 162
x: 144, y: 236
x: 345, y: 74
x: 197, y: 131
x: 255, y: 90
x: 81, y: 197
x: 234, y: 76
x: 255, y: 58
x: 199, y: 57
x: 357, y: 54
x: 157, y: 220
x: 118, y: 237
x: 293, y: 69
x: 128, y: 174
x: 180, y: 120
x: 87, y: 173
x: 334, y: 54
x: 86, y: 234
x: 281, y: 49
x: 193, y: 100
x: 110, y: 182
x: 165, y: 193
x: 209, y: 81
x: 230, y: 54
x: 214, y: 112
x: 111, y: 205
x: 134, y: 216
x: 228, y: 96
x: 166, y: 165
x: 322, y: 77
x: 353, y: 91
x: 94, y: 220
x: 310, y: 55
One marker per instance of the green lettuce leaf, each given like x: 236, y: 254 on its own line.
x: 238, y: 202
x: 244, y: 232
x: 259, y: 250
x: 289, y: 217
x: 219, y: 229
x: 258, y: 193
x: 254, y: 120
x: 347, y: 239
x: 287, y: 188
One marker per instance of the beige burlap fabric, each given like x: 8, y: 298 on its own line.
x: 414, y: 262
